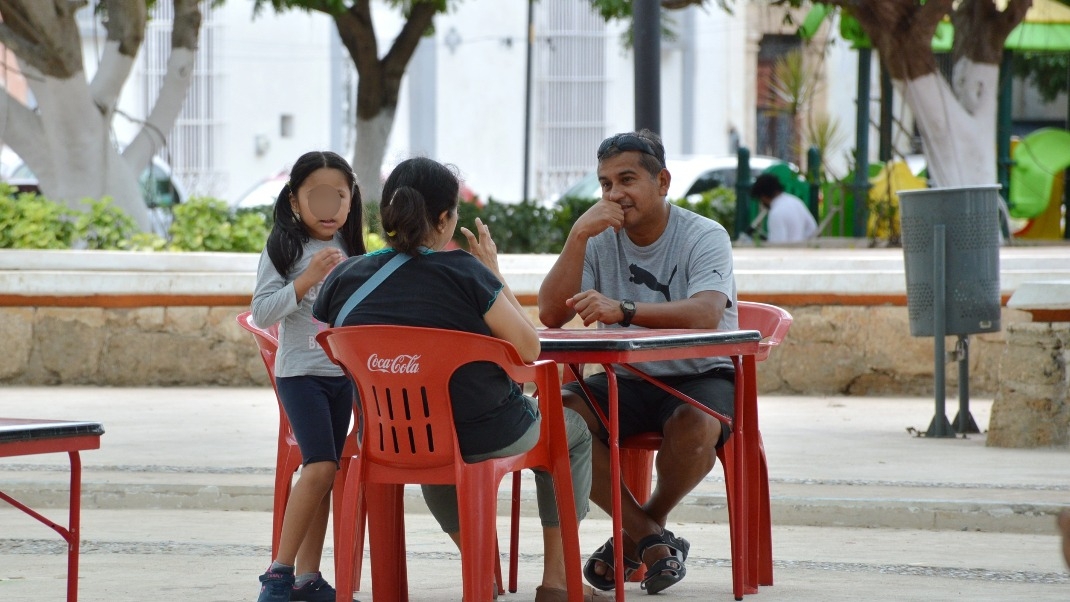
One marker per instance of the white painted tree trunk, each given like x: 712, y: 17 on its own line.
x: 80, y: 160
x: 168, y: 105
x: 372, y: 137
x: 958, y: 127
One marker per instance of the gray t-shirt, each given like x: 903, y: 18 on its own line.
x: 694, y: 254
x: 274, y: 300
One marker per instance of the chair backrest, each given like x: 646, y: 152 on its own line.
x: 773, y: 322
x: 267, y: 340
x: 402, y: 374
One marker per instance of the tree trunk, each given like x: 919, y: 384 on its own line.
x: 959, y: 143
x: 372, y: 136
x: 81, y: 162
x: 957, y: 120
x: 379, y: 83
x: 67, y: 141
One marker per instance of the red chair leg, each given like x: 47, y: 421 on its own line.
x: 637, y: 470
x: 514, y: 539
x: 479, y: 543
x: 765, y: 541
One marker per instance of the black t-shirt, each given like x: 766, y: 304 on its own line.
x: 450, y: 290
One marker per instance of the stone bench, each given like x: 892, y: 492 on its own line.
x: 1032, y: 404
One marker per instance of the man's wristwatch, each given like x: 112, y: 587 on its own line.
x: 627, y: 307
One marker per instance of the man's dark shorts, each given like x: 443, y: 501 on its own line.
x: 643, y: 407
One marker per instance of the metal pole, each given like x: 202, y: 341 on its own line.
x: 884, y: 145
x: 939, y: 427
x: 964, y: 422
x: 813, y: 173
x: 646, y: 25
x: 742, y: 191
x: 527, y: 101
x: 861, y: 183
x: 1003, y: 132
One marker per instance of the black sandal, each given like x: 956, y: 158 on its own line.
x: 604, y: 555
x: 668, y: 570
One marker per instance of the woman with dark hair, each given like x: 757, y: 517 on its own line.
x: 317, y: 225
x: 458, y: 290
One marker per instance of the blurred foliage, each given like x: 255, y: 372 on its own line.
x: 28, y: 221
x: 718, y: 204
x: 525, y: 227
x: 103, y: 225
x: 1048, y: 71
x: 530, y: 227
x: 207, y: 224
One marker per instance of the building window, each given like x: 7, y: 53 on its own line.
x: 286, y: 126
x: 193, y: 144
x: 569, y: 88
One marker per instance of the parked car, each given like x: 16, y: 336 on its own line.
x: 690, y: 175
x: 263, y: 193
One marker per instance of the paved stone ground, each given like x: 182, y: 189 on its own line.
x: 177, y: 499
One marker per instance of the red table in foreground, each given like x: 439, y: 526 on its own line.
x: 24, y: 437
x: 633, y: 345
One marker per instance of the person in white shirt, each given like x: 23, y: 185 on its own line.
x: 789, y: 218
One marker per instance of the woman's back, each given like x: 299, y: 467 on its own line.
x: 450, y: 290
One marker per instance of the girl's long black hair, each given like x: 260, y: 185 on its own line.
x: 288, y: 235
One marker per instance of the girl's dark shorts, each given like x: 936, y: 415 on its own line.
x: 320, y: 409
x: 643, y: 407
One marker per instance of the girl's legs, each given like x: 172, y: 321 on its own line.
x: 319, y: 410
x: 304, y: 525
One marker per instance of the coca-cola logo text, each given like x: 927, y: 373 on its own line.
x: 402, y: 364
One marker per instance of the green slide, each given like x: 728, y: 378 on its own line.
x: 1038, y: 158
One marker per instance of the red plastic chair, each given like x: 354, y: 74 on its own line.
x: 749, y: 525
x: 402, y: 374
x: 288, y: 456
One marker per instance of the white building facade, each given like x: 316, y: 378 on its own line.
x: 270, y: 88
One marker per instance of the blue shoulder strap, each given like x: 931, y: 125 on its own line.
x: 369, y: 285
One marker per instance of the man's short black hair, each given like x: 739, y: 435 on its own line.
x: 767, y: 186
x: 647, y: 143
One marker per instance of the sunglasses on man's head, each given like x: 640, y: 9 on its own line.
x: 626, y: 142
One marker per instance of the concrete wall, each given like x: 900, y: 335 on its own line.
x: 115, y: 318
x: 851, y: 350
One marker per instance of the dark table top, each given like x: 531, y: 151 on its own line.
x: 30, y: 429
x: 635, y: 339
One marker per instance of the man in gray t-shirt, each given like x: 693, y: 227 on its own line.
x: 636, y: 260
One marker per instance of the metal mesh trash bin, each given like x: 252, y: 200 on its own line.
x: 970, y: 217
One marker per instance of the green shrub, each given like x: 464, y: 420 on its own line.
x: 29, y: 221
x: 104, y: 226
x: 718, y: 204
x: 207, y: 224
x: 525, y: 227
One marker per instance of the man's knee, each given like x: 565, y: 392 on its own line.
x: 690, y: 432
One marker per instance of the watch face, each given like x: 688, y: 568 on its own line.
x: 628, y: 305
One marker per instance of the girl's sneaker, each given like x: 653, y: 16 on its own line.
x: 317, y: 590
x: 277, y: 585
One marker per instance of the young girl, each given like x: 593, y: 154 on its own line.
x: 317, y: 226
